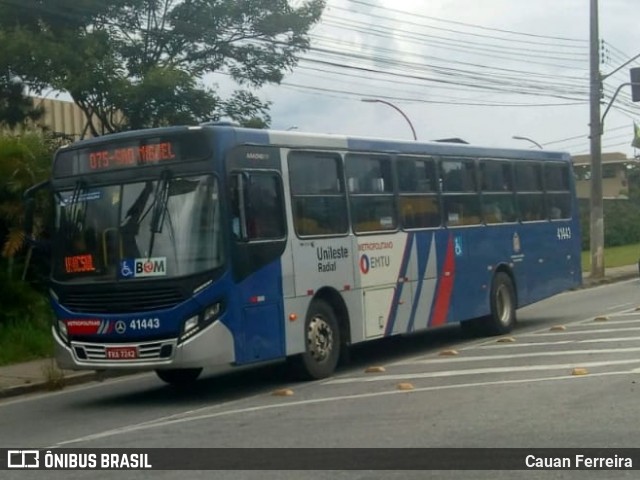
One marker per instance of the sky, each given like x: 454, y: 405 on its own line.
x: 480, y: 70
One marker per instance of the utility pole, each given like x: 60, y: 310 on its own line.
x: 597, y: 214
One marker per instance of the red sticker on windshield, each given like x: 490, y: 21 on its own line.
x: 79, y: 264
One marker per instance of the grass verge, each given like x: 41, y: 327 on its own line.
x: 615, y: 256
x: 25, y: 340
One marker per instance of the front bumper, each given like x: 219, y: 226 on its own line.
x: 213, y: 346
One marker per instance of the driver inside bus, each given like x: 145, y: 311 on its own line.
x: 234, y: 206
x: 131, y: 224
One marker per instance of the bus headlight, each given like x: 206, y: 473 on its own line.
x: 193, y: 325
x: 211, y: 313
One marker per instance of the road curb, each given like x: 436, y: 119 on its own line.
x: 608, y: 280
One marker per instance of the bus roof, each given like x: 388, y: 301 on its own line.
x: 333, y: 141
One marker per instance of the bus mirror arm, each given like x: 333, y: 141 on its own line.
x: 29, y: 207
x: 29, y: 204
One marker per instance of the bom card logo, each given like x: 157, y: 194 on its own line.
x: 143, y: 267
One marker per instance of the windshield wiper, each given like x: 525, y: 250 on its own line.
x: 160, y: 200
x: 76, y: 213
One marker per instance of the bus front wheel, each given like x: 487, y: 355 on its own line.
x: 322, y: 342
x: 179, y: 377
x: 503, y: 306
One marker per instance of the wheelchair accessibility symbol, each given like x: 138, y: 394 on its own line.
x: 125, y: 269
x: 457, y: 246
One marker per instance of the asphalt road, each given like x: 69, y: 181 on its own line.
x: 491, y: 394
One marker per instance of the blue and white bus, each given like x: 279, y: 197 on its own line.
x: 176, y: 249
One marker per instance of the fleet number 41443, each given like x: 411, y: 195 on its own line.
x: 564, y: 233
x: 144, y: 323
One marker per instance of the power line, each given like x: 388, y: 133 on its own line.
x: 359, y: 94
x: 521, y: 56
x: 511, y: 32
x: 451, y: 76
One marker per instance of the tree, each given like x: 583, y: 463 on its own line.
x: 16, y: 108
x: 25, y: 159
x: 143, y: 63
x: 633, y: 183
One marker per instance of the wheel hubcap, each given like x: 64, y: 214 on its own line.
x: 319, y: 339
x: 503, y: 304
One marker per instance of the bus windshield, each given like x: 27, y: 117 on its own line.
x: 168, y: 227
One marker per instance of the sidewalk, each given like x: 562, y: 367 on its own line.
x: 615, y: 274
x: 43, y: 375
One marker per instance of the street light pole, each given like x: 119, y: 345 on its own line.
x: 377, y: 100
x: 516, y: 137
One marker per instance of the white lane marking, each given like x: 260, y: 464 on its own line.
x: 241, y: 411
x: 593, y: 323
x: 479, y: 371
x: 568, y: 331
x: 462, y: 358
x: 619, y: 306
x: 559, y: 342
x: 485, y: 343
x: 465, y: 345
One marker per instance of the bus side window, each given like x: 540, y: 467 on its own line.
x: 558, y: 190
x: 460, y: 193
x: 418, y: 192
x: 318, y: 198
x: 373, y: 204
x: 498, y: 200
x: 530, y: 191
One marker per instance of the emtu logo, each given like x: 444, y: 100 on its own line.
x: 23, y: 459
x: 365, y: 264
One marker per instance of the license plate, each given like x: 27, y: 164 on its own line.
x: 122, y: 353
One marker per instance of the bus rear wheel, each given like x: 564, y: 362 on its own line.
x: 179, y: 377
x: 503, y: 306
x: 322, y: 343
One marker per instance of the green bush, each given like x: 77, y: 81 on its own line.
x: 25, y: 339
x: 621, y: 223
x: 19, y: 300
x: 25, y: 322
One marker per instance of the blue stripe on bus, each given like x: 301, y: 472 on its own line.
x: 399, y: 284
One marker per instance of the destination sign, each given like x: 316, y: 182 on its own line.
x: 129, y: 156
x: 132, y: 153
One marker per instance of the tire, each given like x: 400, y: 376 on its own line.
x: 322, y: 343
x: 179, y: 377
x: 503, y: 307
